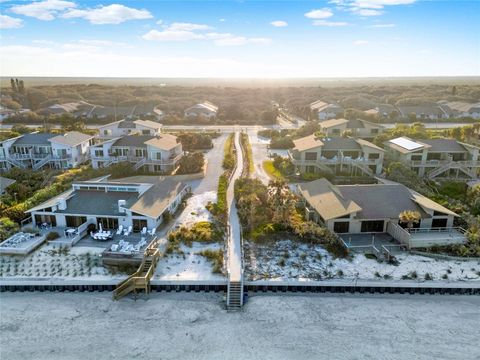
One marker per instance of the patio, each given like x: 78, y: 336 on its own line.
x: 372, y: 243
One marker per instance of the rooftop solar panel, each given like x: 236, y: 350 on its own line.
x: 406, y: 143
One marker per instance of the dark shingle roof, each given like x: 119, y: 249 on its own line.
x: 441, y: 145
x: 34, y: 139
x: 90, y: 202
x: 340, y: 143
x: 133, y: 140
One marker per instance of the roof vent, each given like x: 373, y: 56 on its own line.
x: 121, y: 206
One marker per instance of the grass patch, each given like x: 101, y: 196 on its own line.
x: 215, y: 257
x: 203, y: 231
x: 272, y: 171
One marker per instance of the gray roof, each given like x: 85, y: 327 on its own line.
x: 5, y: 182
x: 381, y: 201
x: 91, y: 202
x: 443, y: 145
x: 126, y: 124
x: 35, y: 139
x: 133, y: 140
x: 71, y: 138
x: 340, y: 143
x: 369, y: 202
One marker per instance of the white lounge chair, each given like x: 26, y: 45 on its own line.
x: 152, y: 232
x: 120, y: 229
x: 144, y: 230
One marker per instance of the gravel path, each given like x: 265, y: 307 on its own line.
x: 196, y: 326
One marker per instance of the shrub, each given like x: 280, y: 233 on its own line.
x: 191, y: 163
x: 215, y: 257
x: 202, y: 231
x: 52, y: 235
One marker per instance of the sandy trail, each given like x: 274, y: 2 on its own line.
x: 196, y: 326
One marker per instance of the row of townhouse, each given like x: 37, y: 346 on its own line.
x: 356, y: 127
x: 431, y: 158
x: 139, y: 142
x: 37, y: 150
x: 442, y: 110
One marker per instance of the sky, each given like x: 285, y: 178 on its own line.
x: 241, y: 39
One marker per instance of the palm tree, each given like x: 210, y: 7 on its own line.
x: 409, y: 217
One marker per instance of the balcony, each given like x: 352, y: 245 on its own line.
x: 172, y: 160
x: 335, y: 160
x: 438, y: 163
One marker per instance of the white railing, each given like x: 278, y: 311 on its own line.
x: 437, y: 230
x: 432, y: 163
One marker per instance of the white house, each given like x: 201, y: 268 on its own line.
x: 436, y: 158
x: 336, y: 155
x: 375, y: 208
x: 204, y: 110
x: 129, y: 127
x: 459, y: 109
x: 137, y: 202
x: 37, y: 150
x: 160, y: 153
x: 326, y: 110
x: 423, y: 112
x: 357, y: 127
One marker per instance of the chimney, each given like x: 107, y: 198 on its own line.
x: 62, y: 204
x: 121, y: 206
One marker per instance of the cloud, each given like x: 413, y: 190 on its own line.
x: 368, y: 12
x: 187, y: 27
x: 279, y: 23
x: 110, y: 14
x: 189, y: 31
x: 382, y: 26
x: 330, y: 23
x: 380, y: 4
x: 8, y: 22
x: 43, y: 10
x: 227, y: 39
x: 169, y: 35
x: 360, y: 42
x: 319, y: 14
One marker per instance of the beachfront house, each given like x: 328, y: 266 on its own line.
x: 336, y: 155
x: 436, y: 158
x: 38, y: 150
x: 138, y: 202
x: 356, y: 127
x: 159, y: 153
x: 375, y: 209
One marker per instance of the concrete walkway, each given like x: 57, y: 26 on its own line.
x: 234, y: 240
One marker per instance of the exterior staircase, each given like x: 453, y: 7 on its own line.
x: 140, y: 279
x: 15, y: 163
x: 452, y: 165
x: 42, y: 162
x: 140, y: 163
x: 234, y: 295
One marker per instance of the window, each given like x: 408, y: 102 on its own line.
x: 108, y: 223
x: 335, y: 131
x: 373, y: 131
x: 99, y: 153
x: 416, y: 157
x: 105, y: 132
x: 438, y: 213
x: 372, y: 226
x: 373, y: 156
x: 139, y: 224
x: 341, y: 227
x: 157, y: 168
x: 75, y: 221
x: 439, y: 223
x: 145, y: 132
x: 158, y: 156
x: 311, y: 156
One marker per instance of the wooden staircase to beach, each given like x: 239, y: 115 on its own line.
x: 140, y: 279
